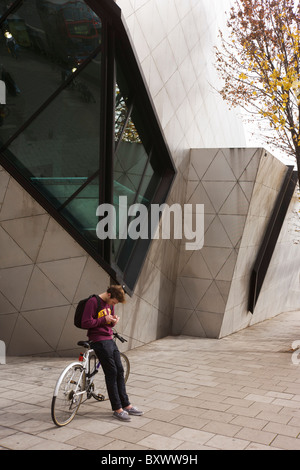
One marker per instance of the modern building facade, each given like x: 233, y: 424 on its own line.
x: 110, y: 101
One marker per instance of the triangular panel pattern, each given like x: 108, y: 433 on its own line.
x: 274, y: 297
x: 225, y: 184
x: 43, y: 275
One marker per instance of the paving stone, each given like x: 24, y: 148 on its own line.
x: 241, y: 392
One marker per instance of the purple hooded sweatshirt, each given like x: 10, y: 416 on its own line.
x: 94, y: 320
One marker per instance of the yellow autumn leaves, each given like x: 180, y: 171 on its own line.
x: 259, y: 64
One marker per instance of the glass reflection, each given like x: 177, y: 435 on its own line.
x: 41, y: 43
x: 129, y: 166
x: 81, y: 211
x: 130, y: 162
x: 122, y: 249
x: 59, y: 150
x: 121, y: 114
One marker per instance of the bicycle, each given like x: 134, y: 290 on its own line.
x: 78, y: 378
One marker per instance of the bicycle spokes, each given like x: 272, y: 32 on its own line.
x: 68, y: 396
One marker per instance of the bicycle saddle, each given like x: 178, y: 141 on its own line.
x: 85, y: 344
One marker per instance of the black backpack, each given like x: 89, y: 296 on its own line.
x: 80, y: 308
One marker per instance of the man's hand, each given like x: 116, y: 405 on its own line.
x: 112, y: 319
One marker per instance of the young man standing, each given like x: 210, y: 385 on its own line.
x: 100, y: 332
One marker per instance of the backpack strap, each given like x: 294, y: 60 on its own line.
x: 98, y: 301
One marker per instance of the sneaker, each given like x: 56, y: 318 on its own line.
x: 134, y: 411
x: 122, y: 415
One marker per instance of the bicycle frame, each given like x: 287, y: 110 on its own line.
x: 84, y: 364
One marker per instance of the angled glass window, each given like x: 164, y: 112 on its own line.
x: 78, y: 128
x: 135, y: 177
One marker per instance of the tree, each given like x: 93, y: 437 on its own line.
x: 259, y: 62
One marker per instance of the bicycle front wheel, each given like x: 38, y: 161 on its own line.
x: 68, y: 394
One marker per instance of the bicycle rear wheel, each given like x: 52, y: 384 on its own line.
x: 126, y: 366
x: 98, y: 387
x: 68, y: 394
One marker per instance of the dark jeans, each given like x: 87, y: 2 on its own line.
x: 109, y: 357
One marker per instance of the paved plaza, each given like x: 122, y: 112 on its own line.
x: 241, y: 392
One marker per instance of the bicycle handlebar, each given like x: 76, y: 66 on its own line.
x: 116, y: 335
x: 87, y: 344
